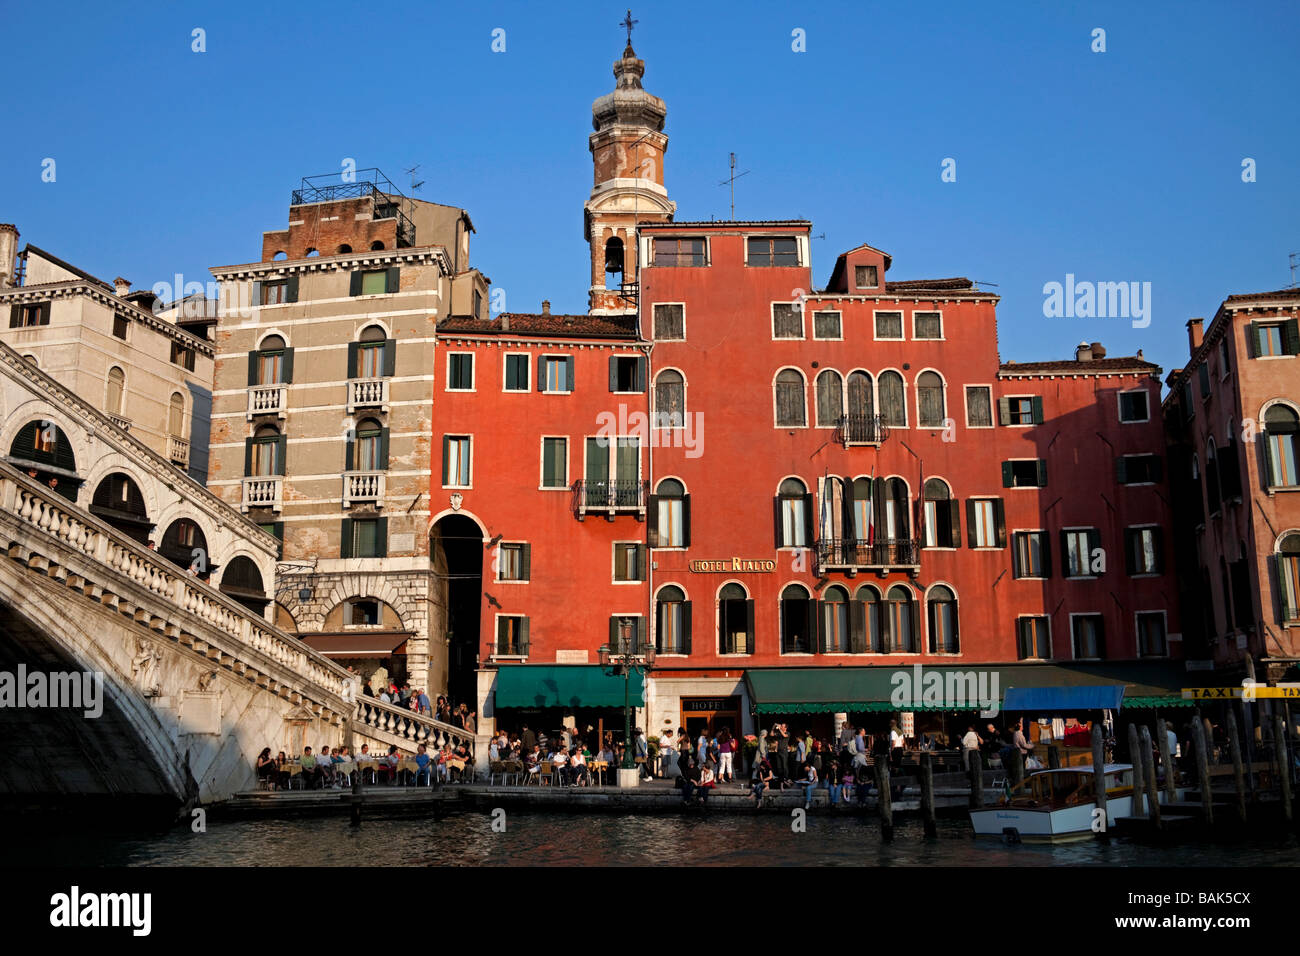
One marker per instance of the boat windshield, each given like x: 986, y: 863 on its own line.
x: 1056, y: 788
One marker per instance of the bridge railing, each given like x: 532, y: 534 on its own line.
x: 411, y: 728
x: 49, y: 513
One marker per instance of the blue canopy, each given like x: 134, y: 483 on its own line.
x: 1067, y: 699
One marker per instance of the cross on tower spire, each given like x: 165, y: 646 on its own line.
x: 628, y: 22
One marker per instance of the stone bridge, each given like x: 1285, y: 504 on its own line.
x: 194, y: 681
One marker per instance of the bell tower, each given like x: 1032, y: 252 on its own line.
x: 627, y: 152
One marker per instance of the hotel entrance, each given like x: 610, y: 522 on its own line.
x: 710, y: 715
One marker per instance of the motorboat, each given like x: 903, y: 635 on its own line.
x: 1057, y: 805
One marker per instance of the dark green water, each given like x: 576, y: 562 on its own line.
x: 721, y: 839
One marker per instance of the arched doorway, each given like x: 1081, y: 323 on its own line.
x: 185, y: 545
x: 119, y: 501
x: 456, y: 551
x: 43, y: 451
x: 243, y: 582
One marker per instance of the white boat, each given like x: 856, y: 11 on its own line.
x: 1058, y: 805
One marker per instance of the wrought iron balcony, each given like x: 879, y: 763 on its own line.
x: 861, y: 430
x: 178, y: 451
x: 364, y: 486
x: 367, y: 393
x: 508, y: 648
x: 263, y: 492
x: 610, y: 497
x: 856, y: 554
x: 267, y: 400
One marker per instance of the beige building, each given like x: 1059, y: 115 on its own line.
x: 323, y: 414
x: 106, y: 344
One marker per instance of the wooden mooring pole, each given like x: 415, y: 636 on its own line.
x: 1099, y: 774
x: 927, y: 795
x: 1283, y: 771
x: 1053, y: 757
x: 976, y: 779
x: 1203, y: 770
x: 1149, y: 771
x: 885, y: 799
x: 1167, y: 761
x: 1238, y: 774
x: 357, y: 797
x: 1139, y: 768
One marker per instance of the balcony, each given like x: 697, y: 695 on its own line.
x: 367, y: 393
x: 264, y: 492
x: 861, y: 430
x: 267, y: 400
x: 882, y: 556
x: 178, y: 451
x: 508, y: 649
x: 364, y: 486
x: 610, y: 498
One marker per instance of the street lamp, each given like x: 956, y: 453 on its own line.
x: 627, y: 658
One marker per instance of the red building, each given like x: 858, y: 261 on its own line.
x: 793, y: 493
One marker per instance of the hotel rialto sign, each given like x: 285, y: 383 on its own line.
x: 733, y: 565
x: 1247, y: 691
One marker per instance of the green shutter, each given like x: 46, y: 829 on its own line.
x: 613, y: 373
x: 523, y: 636
x: 541, y: 373
x: 686, y: 521
x: 613, y: 634
x: 345, y: 539
x: 390, y: 357
x: 1121, y: 470
x: 954, y: 522
x: 1268, y: 462
x: 1037, y: 404
x: 252, y: 367
x: 1290, y: 337
x: 393, y: 280
x: 526, y: 563
x: 349, y: 454
x: 686, y: 627
x: 568, y: 374
x: 1045, y: 551
x: 641, y: 562
x: 809, y: 527
x: 1042, y: 473
x: 1008, y: 476
x: 281, y: 451
x: 749, y: 624
x: 383, y: 449
x: 1252, y: 340
x: 1130, y: 551
x: 641, y: 637
x: 381, y: 535
x: 248, y: 457
x: 286, y: 366
x: 640, y: 377
x: 972, y: 540
x: 446, y: 445
x: 353, y: 348
x: 291, y: 289
x: 652, y: 521
x: 354, y: 286
x: 857, y: 627
x: 1000, y: 519
x: 776, y: 518
x: 817, y: 625
x: 1004, y: 411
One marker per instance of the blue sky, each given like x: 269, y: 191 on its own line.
x: 1115, y: 166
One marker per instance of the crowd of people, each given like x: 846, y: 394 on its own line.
x: 569, y: 757
x: 337, y: 768
x: 408, y: 698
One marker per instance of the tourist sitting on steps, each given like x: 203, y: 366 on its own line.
x: 762, y: 779
x: 707, y: 783
x: 809, y: 785
x: 689, y: 778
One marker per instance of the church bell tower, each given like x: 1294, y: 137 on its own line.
x: 627, y: 154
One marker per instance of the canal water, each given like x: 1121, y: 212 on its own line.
x: 570, y: 839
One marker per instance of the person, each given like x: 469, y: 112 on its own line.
x: 388, y: 765
x: 800, y: 752
x: 726, y: 747
x: 266, y: 766
x: 860, y: 742
x: 895, y: 737
x: 577, y: 767
x: 423, y: 764
x: 642, y: 753
x: 809, y: 785
x: 471, y: 722
x: 384, y: 698
x: 762, y: 779
x: 423, y: 699
x: 1019, y: 742
x: 706, y: 784
x: 310, y: 772
x: 560, y: 763
x: 368, y: 690
x: 494, y: 751
x: 846, y: 736
x: 667, y: 753
x: 762, y: 746
x: 689, y: 779
x: 702, y: 748
x: 527, y: 739
x: 325, y: 763
x: 781, y: 740
x: 282, y: 771
x: 1173, y: 740
x: 992, y: 740
x: 969, y: 743
x: 834, y: 781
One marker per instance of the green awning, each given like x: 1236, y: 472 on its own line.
x: 564, y: 685
x: 828, y: 690
x: 1175, y: 700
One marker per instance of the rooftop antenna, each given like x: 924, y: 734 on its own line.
x: 982, y: 282
x: 1294, y: 257
x: 411, y: 172
x: 731, y: 180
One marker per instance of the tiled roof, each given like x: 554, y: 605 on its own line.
x: 1279, y: 294
x: 540, y: 323
x: 1072, y: 366
x: 728, y: 222
x: 938, y: 285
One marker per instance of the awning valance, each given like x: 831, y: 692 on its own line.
x: 1064, y: 699
x: 360, y: 644
x: 564, y: 685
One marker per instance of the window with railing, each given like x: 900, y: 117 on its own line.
x: 670, y: 515
x: 512, y: 636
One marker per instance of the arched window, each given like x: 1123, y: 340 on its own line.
x: 116, y: 391
x: 1212, y: 478
x: 613, y: 262
x: 176, y: 416
x: 893, y: 511
x: 118, y: 501
x: 243, y: 582
x: 830, y: 398
x: 371, y: 447
x: 670, y: 399
x: 1288, y: 575
x: 670, y: 515
x: 862, y: 403
x: 312, y: 252
x: 833, y: 636
x: 900, y: 619
x: 893, y: 409
x: 790, y: 410
x: 735, y: 621
x: 377, y: 246
x: 930, y: 411
x: 942, y: 610
x: 344, y: 249
x: 793, y: 514
x: 798, y: 620
x: 862, y: 511
x: 672, y: 621
x: 868, y: 631
x: 370, y: 354
x: 273, y: 360
x: 1282, y: 426
x: 280, y: 255
x: 265, y: 453
x: 942, y: 515
x: 43, y: 448
x: 184, y: 545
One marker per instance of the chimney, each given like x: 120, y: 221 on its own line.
x: 1194, y: 334
x: 546, y: 307
x: 8, y: 255
x: 505, y: 322
x: 122, y: 287
x: 1083, y: 352
x: 1098, y: 350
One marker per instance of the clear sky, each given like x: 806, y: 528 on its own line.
x: 1123, y: 165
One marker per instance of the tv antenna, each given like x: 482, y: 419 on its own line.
x: 1294, y: 256
x: 411, y: 172
x: 982, y: 282
x: 731, y: 180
